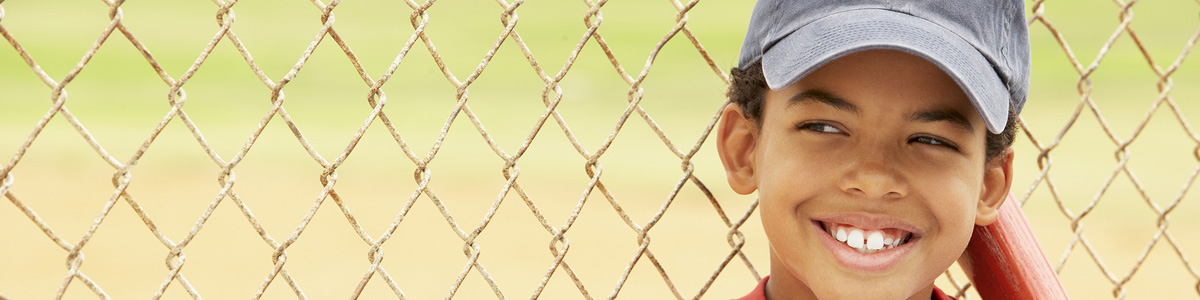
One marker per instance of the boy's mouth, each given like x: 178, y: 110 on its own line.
x: 870, y: 242
x: 866, y: 241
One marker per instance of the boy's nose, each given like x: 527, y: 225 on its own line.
x: 874, y: 176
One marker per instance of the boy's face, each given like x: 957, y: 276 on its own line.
x: 881, y: 145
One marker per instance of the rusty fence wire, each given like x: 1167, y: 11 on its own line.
x: 1174, y: 102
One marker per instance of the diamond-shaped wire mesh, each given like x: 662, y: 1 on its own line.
x: 503, y: 210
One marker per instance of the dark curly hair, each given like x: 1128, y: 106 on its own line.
x: 748, y: 87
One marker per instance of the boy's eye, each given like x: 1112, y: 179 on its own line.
x: 934, y: 141
x: 818, y: 127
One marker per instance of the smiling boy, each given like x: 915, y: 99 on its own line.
x: 877, y: 135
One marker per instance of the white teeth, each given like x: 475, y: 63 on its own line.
x: 875, y: 240
x: 865, y: 242
x: 854, y: 238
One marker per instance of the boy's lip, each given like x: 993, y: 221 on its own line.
x: 851, y: 258
x: 869, y: 262
x: 869, y: 222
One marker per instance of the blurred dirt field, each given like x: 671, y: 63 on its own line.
x: 119, y: 99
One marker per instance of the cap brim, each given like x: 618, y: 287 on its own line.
x: 843, y: 33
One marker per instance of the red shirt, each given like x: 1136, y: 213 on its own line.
x: 760, y: 292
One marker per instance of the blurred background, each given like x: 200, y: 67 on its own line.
x: 1122, y: 154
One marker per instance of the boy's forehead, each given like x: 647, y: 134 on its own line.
x: 884, y: 80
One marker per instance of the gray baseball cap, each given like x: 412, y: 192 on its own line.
x: 982, y: 44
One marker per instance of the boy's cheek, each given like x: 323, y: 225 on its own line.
x: 954, y: 208
x: 808, y: 158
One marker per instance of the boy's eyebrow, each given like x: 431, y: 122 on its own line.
x: 944, y: 115
x: 823, y: 97
x: 940, y: 115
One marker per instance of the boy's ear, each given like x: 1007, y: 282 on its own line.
x: 736, y: 138
x: 997, y: 179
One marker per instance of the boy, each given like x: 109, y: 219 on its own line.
x: 877, y: 134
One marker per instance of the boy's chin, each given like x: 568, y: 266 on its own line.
x: 852, y: 289
x: 866, y: 293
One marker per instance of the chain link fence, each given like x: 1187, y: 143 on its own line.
x: 463, y: 210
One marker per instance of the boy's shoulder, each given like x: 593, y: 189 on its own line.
x: 759, y: 292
